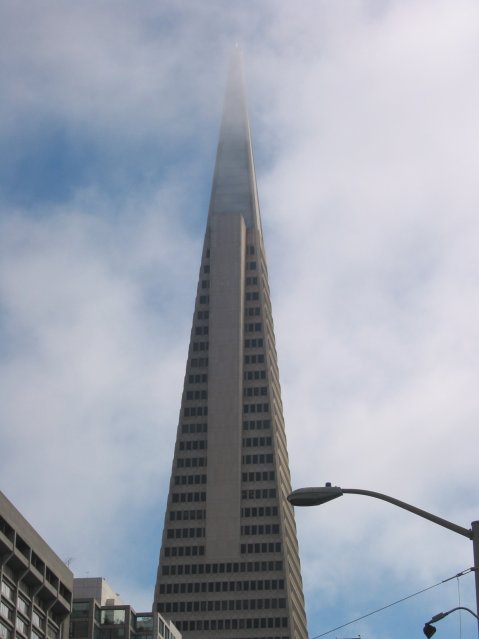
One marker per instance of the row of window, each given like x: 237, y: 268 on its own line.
x: 253, y: 327
x: 222, y: 605
x: 190, y: 462
x: 252, y: 295
x: 201, y: 330
x: 250, y: 442
x: 184, y: 551
x: 254, y: 343
x: 183, y: 480
x: 202, y: 315
x: 202, y: 411
x: 267, y: 475
x: 194, y: 444
x: 260, y: 529
x: 260, y: 511
x: 255, y: 374
x: 197, y: 394
x: 181, y: 498
x: 221, y: 586
x: 254, y: 359
x: 187, y: 515
x: 23, y: 606
x: 257, y: 424
x: 198, y: 378
x: 252, y: 311
x: 204, y: 299
x: 259, y: 493
x: 195, y: 411
x: 255, y: 391
x: 199, y: 362
x: 29, y: 554
x: 194, y: 428
x: 220, y: 568
x: 184, y: 533
x: 8, y: 591
x: 263, y: 458
x: 205, y: 283
x: 200, y: 346
x: 251, y: 266
x: 255, y: 408
x: 231, y: 624
x: 264, y: 547
x: 22, y: 625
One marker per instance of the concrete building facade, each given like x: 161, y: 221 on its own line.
x: 229, y: 564
x: 35, y: 584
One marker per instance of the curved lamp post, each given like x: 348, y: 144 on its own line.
x: 320, y: 495
x: 429, y: 629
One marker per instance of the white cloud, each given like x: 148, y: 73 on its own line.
x: 366, y: 130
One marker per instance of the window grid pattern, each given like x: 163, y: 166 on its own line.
x: 263, y: 455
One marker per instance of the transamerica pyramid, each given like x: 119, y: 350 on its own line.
x: 229, y: 565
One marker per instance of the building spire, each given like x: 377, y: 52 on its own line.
x: 234, y: 181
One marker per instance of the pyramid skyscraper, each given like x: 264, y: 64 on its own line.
x: 229, y: 564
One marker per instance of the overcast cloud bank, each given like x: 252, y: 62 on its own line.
x: 365, y: 127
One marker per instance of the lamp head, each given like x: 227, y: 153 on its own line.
x: 428, y: 630
x: 314, y: 496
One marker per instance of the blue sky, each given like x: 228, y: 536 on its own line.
x: 365, y: 128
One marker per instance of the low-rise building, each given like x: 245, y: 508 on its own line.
x: 36, y: 585
x: 99, y: 613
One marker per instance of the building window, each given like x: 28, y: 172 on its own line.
x: 257, y: 441
x: 112, y: 617
x: 37, y: 620
x: 6, y: 611
x: 21, y: 626
x: 255, y: 391
x: 199, y: 362
x: 257, y: 424
x: 258, y: 459
x: 78, y: 628
x: 181, y: 498
x: 197, y: 394
x: 22, y: 605
x: 198, y: 378
x: 254, y: 343
x: 7, y: 591
x: 5, y: 632
x: 200, y: 346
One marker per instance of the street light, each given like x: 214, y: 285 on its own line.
x: 429, y: 629
x: 322, y: 494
